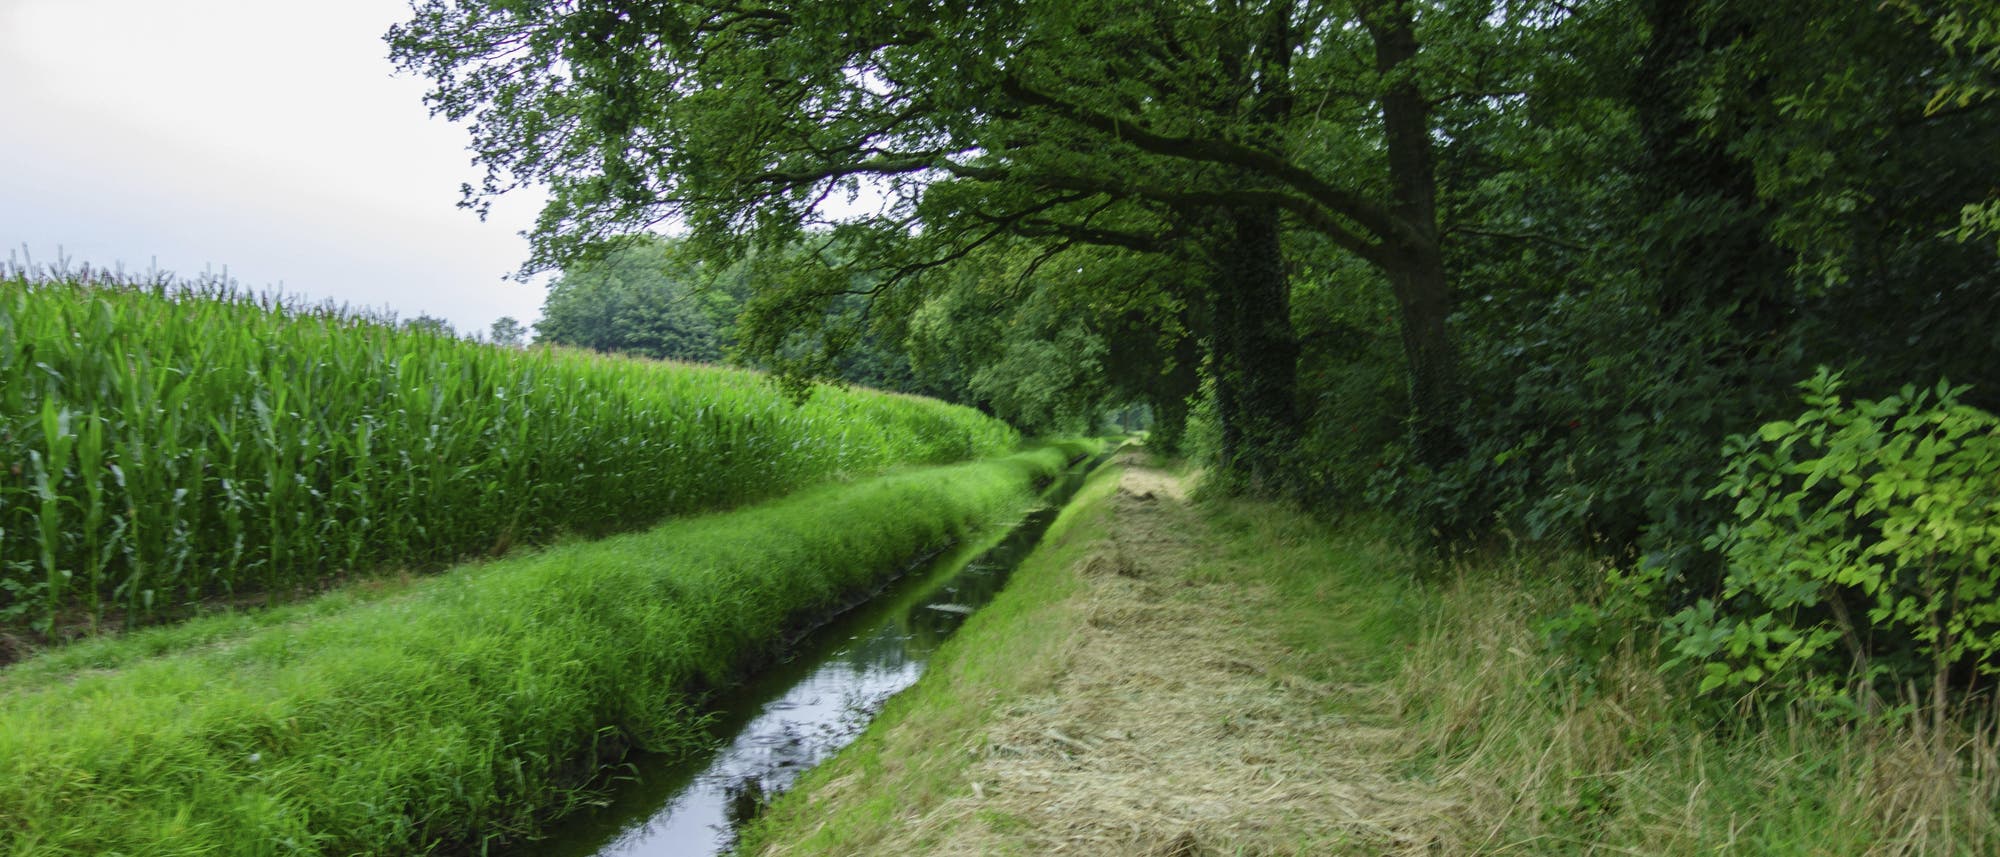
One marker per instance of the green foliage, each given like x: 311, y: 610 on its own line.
x: 1969, y: 29
x: 163, y: 446
x: 1643, y: 253
x: 641, y: 297
x: 1354, y: 397
x: 429, y: 324
x: 508, y: 331
x: 1142, y: 127
x: 1978, y: 220
x: 809, y: 314
x: 1053, y: 343
x: 1861, y: 552
x: 1592, y: 417
x: 1045, y: 384
x: 1020, y: 357
x: 1854, y: 178
x: 467, y: 709
x: 653, y: 297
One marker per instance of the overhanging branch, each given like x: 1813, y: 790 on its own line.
x: 1366, y: 213
x: 1313, y: 215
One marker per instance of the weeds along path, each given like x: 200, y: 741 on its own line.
x: 1170, y: 708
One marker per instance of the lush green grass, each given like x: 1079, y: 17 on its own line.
x: 161, y: 445
x: 912, y: 756
x: 1522, y: 748
x: 1343, y: 603
x: 455, y: 708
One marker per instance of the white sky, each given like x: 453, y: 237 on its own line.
x: 268, y: 137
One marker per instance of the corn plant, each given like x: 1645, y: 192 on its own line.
x: 168, y: 443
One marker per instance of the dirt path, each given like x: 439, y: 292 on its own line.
x: 1179, y: 724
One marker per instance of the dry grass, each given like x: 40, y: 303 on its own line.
x: 1627, y: 767
x: 1218, y: 682
x: 1178, y: 726
x: 1927, y: 792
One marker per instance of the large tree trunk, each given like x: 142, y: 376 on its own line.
x: 1255, y: 352
x: 1422, y: 295
x: 1416, y: 270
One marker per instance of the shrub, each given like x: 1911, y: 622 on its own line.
x: 1860, y: 554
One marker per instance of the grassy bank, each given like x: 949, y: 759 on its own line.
x: 454, y: 709
x: 165, y: 444
x: 914, y: 753
x: 1553, y: 756
x: 1417, y: 707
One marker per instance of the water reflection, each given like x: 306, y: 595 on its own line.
x: 808, y: 722
x: 799, y: 713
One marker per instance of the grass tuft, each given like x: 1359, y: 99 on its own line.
x: 1623, y: 762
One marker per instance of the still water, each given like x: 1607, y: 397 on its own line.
x: 797, y: 713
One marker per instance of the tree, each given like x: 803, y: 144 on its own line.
x: 429, y: 324
x: 1055, y: 348
x: 640, y: 297
x: 508, y: 332
x: 1107, y: 122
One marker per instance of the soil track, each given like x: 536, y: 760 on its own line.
x: 1178, y: 724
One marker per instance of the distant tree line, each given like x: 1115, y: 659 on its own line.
x: 647, y: 296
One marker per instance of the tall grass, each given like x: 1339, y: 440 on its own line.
x: 162, y: 443
x: 1446, y: 722
x: 469, y: 707
x: 1550, y: 755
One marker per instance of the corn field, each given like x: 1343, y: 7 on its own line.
x: 164, y: 443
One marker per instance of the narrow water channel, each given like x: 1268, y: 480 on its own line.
x: 798, y: 713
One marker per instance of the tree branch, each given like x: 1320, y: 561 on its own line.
x: 1313, y: 215
x: 1517, y: 236
x: 1370, y: 216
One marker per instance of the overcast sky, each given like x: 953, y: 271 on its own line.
x: 270, y: 137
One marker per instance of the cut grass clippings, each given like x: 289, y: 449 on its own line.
x: 464, y: 708
x: 1241, y: 679
x: 1152, y: 682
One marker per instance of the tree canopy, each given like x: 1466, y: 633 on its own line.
x: 1208, y: 131
x: 639, y: 298
x: 1517, y: 265
x: 508, y: 330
